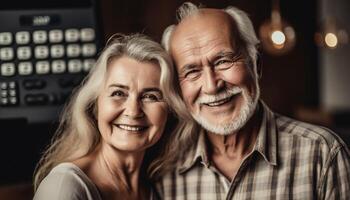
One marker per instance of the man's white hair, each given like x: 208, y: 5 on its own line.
x: 244, y: 27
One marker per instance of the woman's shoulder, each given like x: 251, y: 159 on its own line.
x: 66, y: 181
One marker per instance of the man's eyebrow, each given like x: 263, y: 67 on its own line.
x: 187, y: 67
x: 118, y: 85
x: 225, y: 54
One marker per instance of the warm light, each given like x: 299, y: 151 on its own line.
x: 331, y: 40
x: 278, y: 37
x: 277, y: 40
x: 331, y: 35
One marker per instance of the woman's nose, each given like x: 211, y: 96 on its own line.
x: 133, y: 109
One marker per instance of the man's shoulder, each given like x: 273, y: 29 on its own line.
x: 303, y: 131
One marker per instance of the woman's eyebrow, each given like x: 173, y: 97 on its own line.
x: 149, y: 89
x: 119, y: 86
x: 152, y: 89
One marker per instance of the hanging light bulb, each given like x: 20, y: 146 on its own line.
x: 277, y: 36
x: 330, y: 35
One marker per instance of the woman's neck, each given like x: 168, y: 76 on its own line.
x: 116, y: 173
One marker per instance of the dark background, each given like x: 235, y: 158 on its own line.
x: 288, y: 81
x: 289, y: 85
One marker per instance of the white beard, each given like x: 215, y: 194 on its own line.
x: 245, y: 113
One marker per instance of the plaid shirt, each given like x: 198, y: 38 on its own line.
x: 290, y: 160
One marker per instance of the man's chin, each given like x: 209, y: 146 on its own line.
x: 231, y: 126
x: 220, y: 128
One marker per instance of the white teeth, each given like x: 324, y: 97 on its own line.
x: 217, y: 103
x: 216, y: 99
x: 130, y: 128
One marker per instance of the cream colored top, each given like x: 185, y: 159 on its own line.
x: 67, y: 181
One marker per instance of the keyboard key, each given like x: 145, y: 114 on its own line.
x: 25, y: 68
x: 74, y: 66
x: 58, y: 66
x: 36, y: 99
x: 24, y: 53
x: 88, y: 64
x: 13, y: 100
x: 57, y: 51
x: 73, y: 50
x: 22, y: 37
x: 6, y: 54
x: 30, y: 84
x: 88, y: 50
x: 12, y: 92
x: 56, y: 36
x: 39, y: 37
x: 41, y: 52
x: 42, y: 67
x: 4, y: 101
x: 87, y: 34
x: 3, y: 85
x: 3, y: 93
x: 8, y: 69
x: 5, y: 38
x: 12, y: 85
x: 72, y: 35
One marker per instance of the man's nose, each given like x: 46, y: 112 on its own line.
x: 133, y: 109
x: 211, y: 83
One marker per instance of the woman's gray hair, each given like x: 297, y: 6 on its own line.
x: 77, y: 134
x: 185, y: 136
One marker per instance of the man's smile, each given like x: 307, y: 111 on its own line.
x: 219, y: 102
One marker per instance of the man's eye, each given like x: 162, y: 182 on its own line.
x: 152, y: 97
x: 192, y: 74
x: 223, y: 64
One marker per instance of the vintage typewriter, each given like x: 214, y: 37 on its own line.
x: 46, y: 49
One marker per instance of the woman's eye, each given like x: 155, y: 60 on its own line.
x: 152, y: 97
x: 118, y: 93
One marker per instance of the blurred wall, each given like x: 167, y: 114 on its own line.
x: 335, y: 63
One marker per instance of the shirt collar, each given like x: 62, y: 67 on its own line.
x: 199, y: 154
x: 266, y: 143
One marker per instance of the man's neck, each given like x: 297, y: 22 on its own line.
x: 228, y: 151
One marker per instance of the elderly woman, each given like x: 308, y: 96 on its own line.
x: 109, y: 125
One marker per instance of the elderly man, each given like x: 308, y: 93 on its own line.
x: 240, y: 149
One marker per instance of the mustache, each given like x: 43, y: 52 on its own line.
x: 227, y: 93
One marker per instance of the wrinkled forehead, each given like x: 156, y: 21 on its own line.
x: 202, y: 33
x: 207, y: 25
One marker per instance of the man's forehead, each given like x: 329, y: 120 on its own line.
x: 209, y: 18
x: 207, y: 28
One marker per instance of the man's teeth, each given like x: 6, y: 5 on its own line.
x: 131, y: 128
x: 220, y: 102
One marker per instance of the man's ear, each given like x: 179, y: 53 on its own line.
x: 259, y: 64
